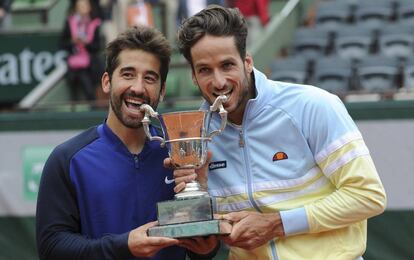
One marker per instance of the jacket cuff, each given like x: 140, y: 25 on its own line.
x: 121, y: 242
x: 295, y: 221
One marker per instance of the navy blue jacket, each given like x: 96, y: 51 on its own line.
x: 93, y: 191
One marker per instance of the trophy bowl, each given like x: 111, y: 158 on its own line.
x: 186, y: 135
x: 186, y: 138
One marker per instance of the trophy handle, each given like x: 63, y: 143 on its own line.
x: 218, y: 104
x: 146, y: 121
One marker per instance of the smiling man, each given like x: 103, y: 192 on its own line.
x: 98, y: 192
x: 291, y: 169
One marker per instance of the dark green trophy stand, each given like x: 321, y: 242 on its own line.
x: 188, y: 218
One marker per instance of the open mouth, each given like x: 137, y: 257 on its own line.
x: 226, y: 93
x: 133, y: 104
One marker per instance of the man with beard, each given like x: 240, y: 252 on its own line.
x: 291, y: 169
x: 98, y: 191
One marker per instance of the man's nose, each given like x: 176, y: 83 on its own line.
x: 138, y: 86
x: 219, y: 80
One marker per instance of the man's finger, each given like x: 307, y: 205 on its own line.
x: 150, y: 224
x: 183, y: 172
x: 205, y: 165
x: 162, y: 241
x: 179, y: 187
x: 235, y: 216
x: 186, y: 243
x: 231, y: 217
x: 186, y: 179
x: 229, y: 240
x: 209, y: 156
x: 168, y: 163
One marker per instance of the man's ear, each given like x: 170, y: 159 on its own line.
x: 162, y: 93
x: 106, y: 83
x: 193, y: 78
x: 248, y: 63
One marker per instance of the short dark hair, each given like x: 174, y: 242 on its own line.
x: 214, y: 20
x: 139, y: 38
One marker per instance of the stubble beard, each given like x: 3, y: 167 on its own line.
x: 242, y: 98
x: 116, y: 106
x: 244, y: 95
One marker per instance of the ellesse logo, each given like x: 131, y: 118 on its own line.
x: 217, y: 165
x: 280, y: 156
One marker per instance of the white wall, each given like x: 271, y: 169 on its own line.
x: 391, y: 144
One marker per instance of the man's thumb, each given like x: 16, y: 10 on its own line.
x: 209, y: 156
x: 234, y: 216
x: 204, y: 168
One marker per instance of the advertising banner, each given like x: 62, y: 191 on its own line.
x: 25, y: 60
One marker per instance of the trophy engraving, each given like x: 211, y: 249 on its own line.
x: 186, y: 135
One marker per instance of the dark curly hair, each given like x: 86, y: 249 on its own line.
x: 139, y: 38
x: 214, y: 20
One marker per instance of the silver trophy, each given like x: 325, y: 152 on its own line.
x: 186, y: 135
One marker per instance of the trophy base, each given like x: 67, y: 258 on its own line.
x: 189, y: 210
x: 192, y: 229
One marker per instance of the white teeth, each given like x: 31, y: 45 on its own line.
x: 227, y: 94
x: 135, y: 102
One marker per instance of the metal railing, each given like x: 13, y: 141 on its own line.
x: 38, y: 92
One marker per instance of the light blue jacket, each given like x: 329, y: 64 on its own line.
x: 296, y: 147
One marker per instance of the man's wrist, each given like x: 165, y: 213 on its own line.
x: 278, y: 228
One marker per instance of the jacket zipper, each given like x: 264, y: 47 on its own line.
x: 249, y: 185
x: 136, y: 161
x: 241, y: 139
